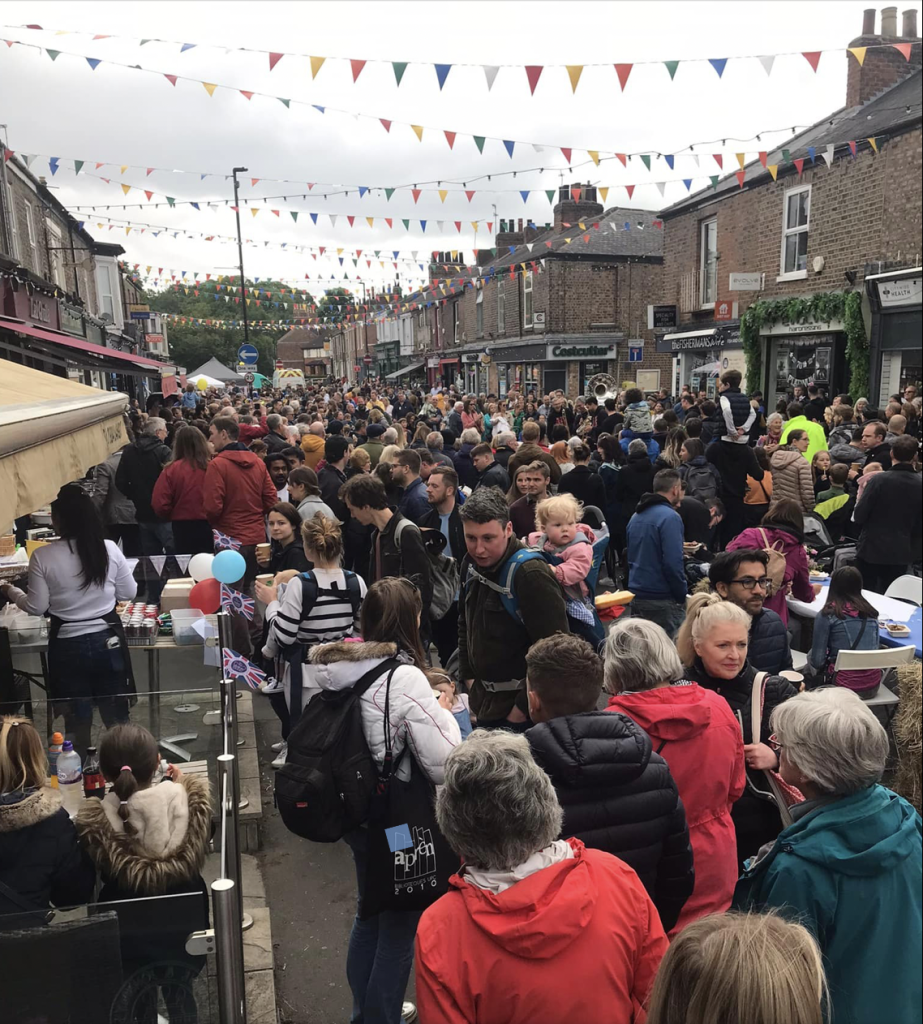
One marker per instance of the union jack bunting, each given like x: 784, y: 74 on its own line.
x: 224, y: 543
x: 234, y: 601
x: 237, y: 667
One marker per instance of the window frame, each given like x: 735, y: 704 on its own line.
x: 56, y: 256
x: 31, y: 236
x: 456, y: 320
x: 479, y: 313
x: 501, y: 309
x: 797, y: 273
x: 528, y: 300
x: 704, y: 226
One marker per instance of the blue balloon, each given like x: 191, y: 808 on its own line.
x: 229, y: 566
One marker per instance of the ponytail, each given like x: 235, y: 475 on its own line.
x: 128, y: 757
x: 125, y: 787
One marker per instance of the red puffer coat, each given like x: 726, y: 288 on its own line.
x: 238, y: 493
x: 178, y: 492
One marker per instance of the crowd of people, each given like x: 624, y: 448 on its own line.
x: 654, y: 815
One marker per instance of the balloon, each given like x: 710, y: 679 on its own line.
x: 206, y: 596
x: 229, y: 566
x: 200, y: 566
x: 201, y: 384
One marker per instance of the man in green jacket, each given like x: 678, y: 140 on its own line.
x: 798, y: 420
x: 849, y: 865
x: 493, y: 637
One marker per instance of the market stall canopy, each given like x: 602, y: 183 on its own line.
x: 210, y: 382
x: 218, y: 371
x: 52, y: 430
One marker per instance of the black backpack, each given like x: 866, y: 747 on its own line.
x: 325, y: 786
x: 701, y: 483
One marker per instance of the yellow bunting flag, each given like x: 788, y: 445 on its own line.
x: 474, y: 224
x: 370, y: 221
x: 123, y: 168
x: 773, y: 170
x: 316, y: 64
x: 419, y: 131
x: 741, y: 159
x: 594, y: 156
x: 859, y: 53
x: 254, y: 211
x: 128, y: 231
x: 574, y: 71
x: 126, y: 189
x: 210, y: 88
x: 873, y: 144
x: 443, y: 192
x: 582, y: 226
x: 604, y: 192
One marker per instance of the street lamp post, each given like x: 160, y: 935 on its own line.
x: 240, y: 254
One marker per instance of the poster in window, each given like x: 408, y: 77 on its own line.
x: 822, y: 366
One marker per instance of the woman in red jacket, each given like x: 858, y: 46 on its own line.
x: 534, y: 929
x: 178, y: 493
x: 696, y: 733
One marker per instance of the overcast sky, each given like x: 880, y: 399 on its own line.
x: 122, y: 116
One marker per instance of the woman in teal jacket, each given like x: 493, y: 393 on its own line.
x: 849, y: 866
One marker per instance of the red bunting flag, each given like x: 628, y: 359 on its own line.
x: 7, y: 153
x: 576, y: 193
x: 171, y: 79
x: 763, y: 158
x: 100, y: 165
x: 387, y: 124
x: 586, y: 238
x: 389, y: 221
x: 357, y: 66
x: 740, y: 178
x: 567, y: 153
x: 623, y: 71
x: 351, y: 220
x: 799, y: 166
x: 813, y: 58
x: 852, y: 148
x: 470, y: 194
x: 630, y: 189
x: 450, y: 138
x: 148, y: 194
x: 274, y: 59
x: 150, y: 171
x: 903, y: 48
x: 415, y: 192
x: 719, y: 160
x: 622, y: 159
x: 254, y: 182
x: 249, y: 95
x: 458, y: 226
x: 276, y: 212
x: 533, y: 73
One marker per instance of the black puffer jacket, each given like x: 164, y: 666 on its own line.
x: 618, y: 796
x: 139, y: 468
x: 635, y: 478
x: 769, y: 648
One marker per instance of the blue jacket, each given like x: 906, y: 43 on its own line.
x: 850, y: 871
x: 769, y: 648
x: 653, y: 449
x: 655, y: 551
x: 414, y: 502
x: 832, y: 635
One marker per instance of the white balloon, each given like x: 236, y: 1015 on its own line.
x: 200, y: 566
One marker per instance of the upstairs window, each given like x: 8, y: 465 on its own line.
x: 797, y: 218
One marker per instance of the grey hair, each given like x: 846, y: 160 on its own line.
x: 639, y: 656
x: 389, y: 436
x: 637, y: 445
x: 504, y: 439
x: 471, y: 436
x: 496, y: 807
x: 773, y: 416
x: 154, y: 424
x: 833, y: 738
x: 273, y: 421
x: 434, y: 439
x: 459, y: 406
x: 485, y: 505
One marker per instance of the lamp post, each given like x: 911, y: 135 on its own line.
x: 240, y: 254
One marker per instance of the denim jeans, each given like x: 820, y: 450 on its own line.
x: 156, y: 539
x: 380, y: 952
x: 83, y: 671
x: 667, y: 614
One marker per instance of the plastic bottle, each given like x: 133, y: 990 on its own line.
x: 70, y: 778
x: 57, y: 744
x: 93, y: 782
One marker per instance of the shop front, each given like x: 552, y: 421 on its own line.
x: 796, y: 355
x: 519, y: 368
x: 701, y: 354
x: 475, y: 370
x: 895, y: 349
x: 446, y: 371
x: 569, y: 367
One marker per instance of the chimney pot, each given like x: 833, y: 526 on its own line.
x: 868, y: 21
x: 909, y: 27
x: 889, y: 22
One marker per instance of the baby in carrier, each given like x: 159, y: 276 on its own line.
x: 568, y: 545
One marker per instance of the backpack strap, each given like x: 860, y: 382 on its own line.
x: 757, y: 691
x: 353, y: 590
x: 504, y: 584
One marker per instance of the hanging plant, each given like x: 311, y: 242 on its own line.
x: 820, y: 308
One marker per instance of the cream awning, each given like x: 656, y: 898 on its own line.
x: 52, y: 430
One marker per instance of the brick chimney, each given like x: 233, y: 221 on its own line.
x: 576, y: 203
x: 883, y: 65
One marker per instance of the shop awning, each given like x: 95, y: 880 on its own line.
x: 404, y: 370
x: 58, y: 338
x: 52, y: 430
x: 709, y: 333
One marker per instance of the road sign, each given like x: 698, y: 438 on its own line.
x: 248, y: 354
x: 367, y: 360
x: 636, y: 351
x: 249, y: 377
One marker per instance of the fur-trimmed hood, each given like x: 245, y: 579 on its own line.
x: 338, y: 665
x: 172, y: 823
x: 30, y: 810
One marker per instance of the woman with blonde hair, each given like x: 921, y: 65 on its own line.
x: 712, y: 644
x: 40, y: 861
x: 391, y: 451
x: 359, y: 462
x: 731, y: 968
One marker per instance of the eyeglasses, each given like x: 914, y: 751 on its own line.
x: 749, y: 582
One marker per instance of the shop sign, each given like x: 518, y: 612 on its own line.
x: 71, y: 319
x: 603, y: 351
x: 139, y: 311
x: 724, y: 310
x: 538, y: 320
x: 745, y: 282
x: 433, y: 362
x: 811, y: 327
x: 906, y: 291
x: 470, y: 357
x: 661, y: 318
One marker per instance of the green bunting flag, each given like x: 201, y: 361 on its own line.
x: 170, y: 200
x: 78, y: 164
x: 294, y: 214
x: 786, y: 156
x: 713, y: 178
x: 646, y: 160
x: 285, y: 102
x: 550, y: 194
x: 406, y: 224
x: 388, y: 193
x: 479, y: 142
x: 399, y: 68
x: 53, y: 54
x: 671, y: 66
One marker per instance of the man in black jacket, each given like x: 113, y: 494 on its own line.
x: 275, y: 440
x: 441, y: 489
x: 616, y: 793
x: 332, y: 477
x: 740, y: 577
x: 874, y: 445
x: 490, y: 472
x: 139, y: 468
x: 890, y: 514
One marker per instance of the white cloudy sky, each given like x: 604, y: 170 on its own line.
x: 123, y: 116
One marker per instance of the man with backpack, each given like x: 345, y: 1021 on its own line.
x: 509, y: 599
x: 397, y: 544
x: 441, y: 489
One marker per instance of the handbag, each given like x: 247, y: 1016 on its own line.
x: 409, y: 861
x: 783, y: 794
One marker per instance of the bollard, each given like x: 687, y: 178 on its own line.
x: 230, y: 952
x: 228, y: 785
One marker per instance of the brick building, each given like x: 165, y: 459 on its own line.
x: 839, y: 203
x: 555, y: 306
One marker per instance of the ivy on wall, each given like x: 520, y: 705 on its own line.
x: 819, y: 308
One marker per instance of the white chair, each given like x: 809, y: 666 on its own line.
x: 907, y: 588
x: 799, y: 661
x: 889, y: 657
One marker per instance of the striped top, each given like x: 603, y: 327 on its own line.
x: 331, y: 618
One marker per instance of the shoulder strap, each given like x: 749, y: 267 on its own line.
x: 859, y: 635
x: 16, y: 899
x: 763, y: 534
x: 756, y: 705
x: 309, y: 589
x: 354, y: 591
x: 399, y: 529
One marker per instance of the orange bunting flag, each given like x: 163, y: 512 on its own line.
x: 903, y: 49
x: 740, y: 178
x: 574, y: 71
x: 418, y: 131
x: 576, y: 193
x: 316, y: 64
x: 357, y: 66
x: 254, y: 182
x: 623, y: 71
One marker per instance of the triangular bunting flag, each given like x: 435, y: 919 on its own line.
x: 903, y: 48
x: 187, y: 46
x: 773, y: 170
x: 550, y: 193
x: 210, y: 88
x: 574, y: 71
x: 622, y: 159
x: 812, y: 153
x: 576, y: 193
x: 799, y: 166
x: 450, y: 138
x: 171, y: 79
x: 533, y: 73
x: 828, y: 155
x: 510, y: 146
x: 767, y: 63
x: 248, y: 95
x: 442, y: 73
x: 763, y: 157
x: 594, y: 156
x: 661, y: 187
x: 125, y: 188
x: 490, y: 73
x: 285, y: 103
x: 443, y: 192
x: 385, y: 124
x: 670, y: 160
x: 182, y: 561
x: 741, y: 159
x: 852, y: 147
x: 646, y: 160
x: 53, y: 54
x: 671, y: 66
x: 688, y: 183
x: 718, y: 63
x: 316, y: 64
x: 813, y: 58
x: 158, y: 561
x: 859, y: 53
x: 719, y: 160
x: 294, y: 214
x: 740, y: 175
x: 623, y: 71
x: 525, y: 196
x: 418, y: 131
x: 253, y: 212
x: 274, y: 59
x: 713, y: 180
x: 94, y: 62
x: 415, y: 192
x: 871, y: 142
x: 604, y: 192
x: 567, y: 154
x: 399, y: 67
x: 78, y: 164
x: 630, y: 189
x: 357, y: 66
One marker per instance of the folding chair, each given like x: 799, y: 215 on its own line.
x: 907, y: 588
x: 883, y: 659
